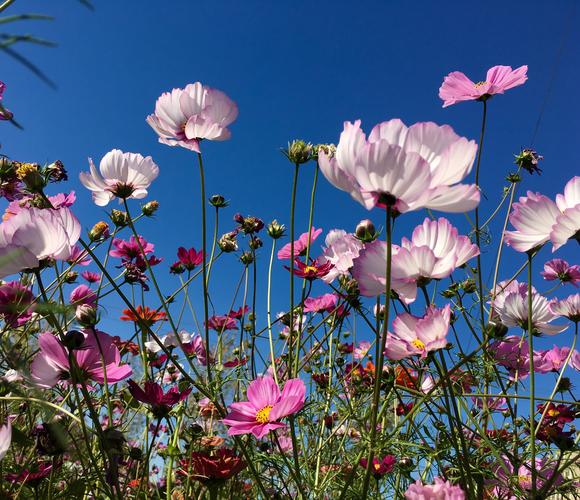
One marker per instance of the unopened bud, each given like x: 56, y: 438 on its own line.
x: 150, y: 208
x: 100, y: 231
x: 246, y: 258
x: 255, y: 243
x: 119, y: 218
x: 275, y: 230
x: 365, y: 231
x: 299, y: 152
x: 228, y: 243
x: 528, y: 159
x: 73, y: 339
x: 218, y: 201
x: 71, y: 277
x: 86, y: 315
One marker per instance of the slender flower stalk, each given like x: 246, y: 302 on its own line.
x: 532, y: 378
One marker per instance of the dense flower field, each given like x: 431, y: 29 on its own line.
x: 361, y: 388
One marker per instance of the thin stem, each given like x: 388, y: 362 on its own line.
x: 532, y: 381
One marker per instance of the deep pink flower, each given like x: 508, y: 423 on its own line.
x: 212, y: 469
x: 408, y: 168
x: 512, y: 352
x: 265, y: 406
x: 439, y: 490
x: 41, y: 471
x: 4, y: 113
x: 552, y: 360
x: 16, y: 303
x: 183, y: 117
x: 97, y: 355
x: 300, y: 245
x: 326, y: 302
x: 121, y: 175
x: 196, y: 347
x: 79, y: 257
x: 91, y: 277
x: 312, y: 271
x: 413, y: 335
x: 457, y: 87
x: 567, y: 308
x: 222, y: 323
x: 559, y: 269
x: 380, y: 467
x: 190, y: 259
x: 82, y: 294
x: 238, y: 314
x: 129, y: 250
x: 152, y: 395
x: 341, y: 250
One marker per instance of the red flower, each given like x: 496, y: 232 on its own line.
x: 311, y: 271
x: 239, y: 313
x: 144, y: 315
x: 152, y: 394
x: 190, y: 259
x: 125, y: 346
x: 212, y: 468
x: 42, y: 471
x: 380, y: 467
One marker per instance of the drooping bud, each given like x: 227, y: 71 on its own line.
x: 228, y: 243
x: 218, y: 201
x: 56, y: 172
x: 119, y: 218
x: 365, y: 231
x: 100, y: 231
x: 299, y: 152
x: 86, y: 315
x: 275, y: 229
x: 71, y: 277
x: 73, y: 339
x: 150, y: 208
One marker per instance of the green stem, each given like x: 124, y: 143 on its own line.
x: 532, y: 381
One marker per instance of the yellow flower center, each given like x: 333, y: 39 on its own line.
x: 263, y: 415
x: 479, y: 84
x: 310, y: 269
x: 418, y: 344
x: 377, y: 466
x: 553, y: 412
x: 24, y: 169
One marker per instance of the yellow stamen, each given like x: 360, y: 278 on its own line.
x: 418, y: 344
x: 553, y: 413
x: 310, y: 269
x: 24, y: 169
x: 263, y: 416
x: 377, y: 466
x: 479, y: 84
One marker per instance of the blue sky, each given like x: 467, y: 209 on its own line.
x: 297, y: 70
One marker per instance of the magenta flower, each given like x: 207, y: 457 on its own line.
x: 82, y: 294
x: 129, y: 250
x: 380, y: 467
x: 222, y: 323
x: 120, y: 175
x: 60, y: 200
x: 456, y: 87
x: 190, y: 259
x: 413, y: 335
x: 316, y: 269
x: 266, y: 405
x: 341, y: 250
x: 300, y: 245
x: 558, y: 269
x: 52, y: 363
x: 79, y: 257
x: 183, y: 117
x: 35, y: 234
x: 91, y: 277
x: 16, y: 303
x: 326, y: 302
x: 512, y: 352
x: 408, y: 168
x: 239, y: 313
x: 152, y: 395
x: 439, y: 490
x: 567, y: 308
x: 552, y: 360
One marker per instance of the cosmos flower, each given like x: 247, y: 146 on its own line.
x: 567, y: 224
x: 212, y: 468
x: 144, y: 315
x: 552, y: 360
x: 129, y: 250
x: 60, y: 200
x: 326, y: 302
x: 4, y: 113
x: 35, y: 234
x: 98, y: 357
x: 312, y: 271
x: 408, y: 168
x: 567, y: 308
x: 413, y: 335
x: 82, y: 294
x: 360, y: 351
x: 266, y: 405
x: 16, y: 303
x: 456, y: 87
x: 545, y: 471
x: 189, y: 259
x: 380, y: 466
x: 439, y: 490
x: 152, y: 394
x: 341, y: 250
x: 559, y: 269
x: 512, y: 352
x: 5, y: 438
x: 169, y: 340
x: 300, y: 245
x: 120, y: 175
x: 79, y: 257
x: 222, y: 323
x: 91, y: 277
x: 183, y: 117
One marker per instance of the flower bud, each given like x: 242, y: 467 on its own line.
x: 86, y: 315
x: 528, y: 159
x: 100, y: 231
x: 119, y: 218
x: 365, y: 231
x: 56, y: 172
x: 246, y: 258
x: 218, y: 201
x: 469, y: 285
x: 71, y: 277
x: 73, y: 339
x: 255, y: 243
x: 275, y: 229
x: 298, y: 152
x: 150, y: 208
x: 249, y: 224
x: 228, y: 243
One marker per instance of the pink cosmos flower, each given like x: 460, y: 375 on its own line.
x: 456, y: 87
x: 183, y: 117
x: 316, y: 269
x: 266, y: 405
x: 222, y: 323
x: 97, y: 355
x: 341, y: 250
x: 553, y: 360
x: 189, y: 259
x: 35, y: 234
x: 4, y: 113
x: 16, y: 303
x: 60, y: 200
x: 5, y: 438
x: 129, y: 250
x: 413, y: 335
x: 544, y: 472
x: 79, y: 257
x: 122, y: 175
x: 300, y: 245
x: 439, y: 490
x: 558, y: 269
x: 512, y: 352
x: 152, y: 395
x: 91, y: 277
x: 195, y: 346
x: 408, y: 168
x: 567, y: 223
x: 361, y: 350
x: 82, y: 294
x: 326, y: 302
x: 567, y: 308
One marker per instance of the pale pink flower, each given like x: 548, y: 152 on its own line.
x: 5, y: 438
x: 98, y: 355
x: 183, y: 117
x: 567, y: 224
x: 360, y: 351
x: 266, y: 405
x: 341, y: 249
x: 552, y: 360
x: 456, y: 87
x: 567, y: 308
x: 439, y: 490
x: 300, y: 245
x: 545, y: 471
x: 122, y: 175
x: 559, y: 269
x: 326, y: 302
x: 413, y: 335
x: 35, y: 234
x: 169, y: 340
x: 408, y: 168
x: 57, y: 201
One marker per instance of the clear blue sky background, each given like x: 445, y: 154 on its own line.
x: 297, y: 70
